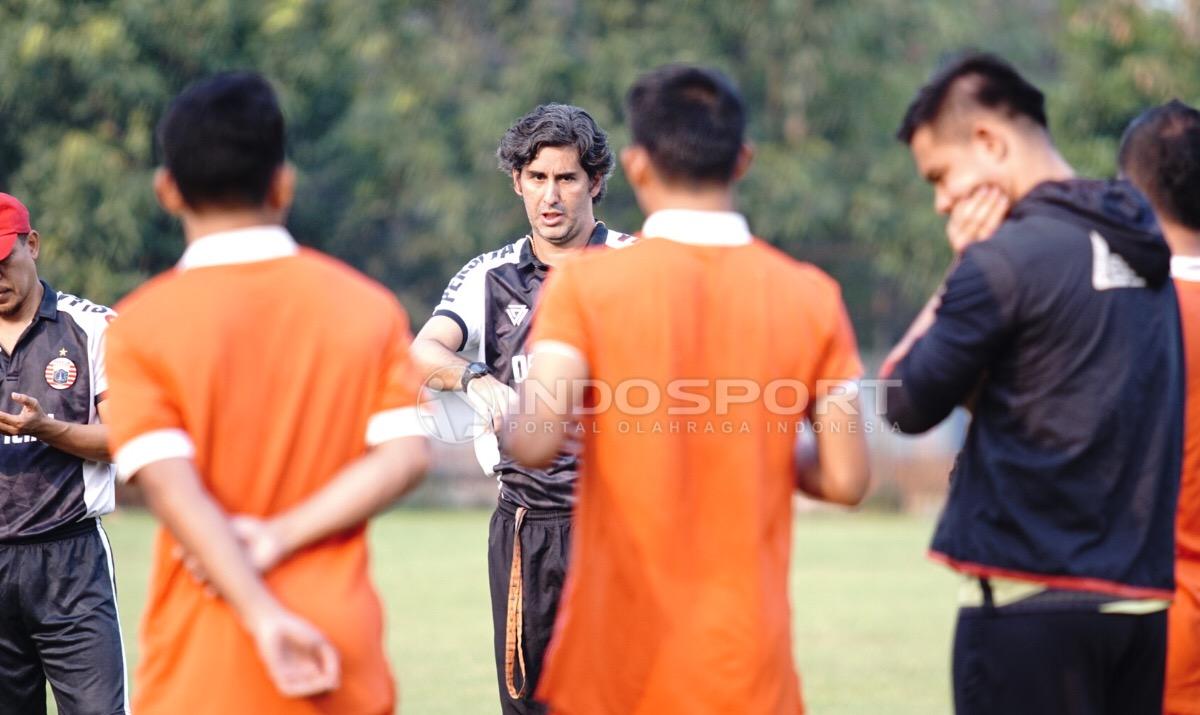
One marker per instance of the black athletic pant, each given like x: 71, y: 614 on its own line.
x: 1042, y: 659
x: 545, y: 545
x: 58, y: 622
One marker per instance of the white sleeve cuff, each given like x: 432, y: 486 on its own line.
x: 557, y: 347
x: 394, y: 424
x: 152, y: 447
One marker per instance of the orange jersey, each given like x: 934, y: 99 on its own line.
x: 676, y: 600
x: 1188, y: 535
x: 1183, y: 649
x: 270, y: 364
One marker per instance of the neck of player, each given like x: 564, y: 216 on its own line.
x: 1183, y: 241
x: 198, y: 224
x: 553, y: 253
x: 1039, y: 162
x: 701, y: 197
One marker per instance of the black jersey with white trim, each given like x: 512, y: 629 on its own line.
x: 492, y: 299
x: 59, y: 360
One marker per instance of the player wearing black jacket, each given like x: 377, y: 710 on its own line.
x: 1062, y: 331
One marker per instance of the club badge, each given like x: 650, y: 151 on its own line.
x: 61, y: 373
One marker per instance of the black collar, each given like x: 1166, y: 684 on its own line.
x: 529, y: 260
x: 48, y: 309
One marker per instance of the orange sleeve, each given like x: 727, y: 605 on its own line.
x: 559, y: 324
x: 395, y: 413
x: 144, y: 422
x: 838, y: 361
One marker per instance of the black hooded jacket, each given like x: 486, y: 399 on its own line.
x: 1064, y: 326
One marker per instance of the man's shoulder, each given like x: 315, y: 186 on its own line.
x: 484, y: 262
x: 338, y: 277
x: 87, y: 314
x: 152, y: 296
x: 616, y: 239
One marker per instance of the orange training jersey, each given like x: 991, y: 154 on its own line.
x: 1187, y: 286
x: 274, y: 366
x: 1183, y: 641
x: 704, y: 345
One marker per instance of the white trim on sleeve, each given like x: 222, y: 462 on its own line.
x: 1185, y: 268
x: 558, y: 347
x: 394, y: 424
x: 151, y: 447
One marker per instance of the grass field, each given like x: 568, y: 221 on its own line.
x: 872, y: 617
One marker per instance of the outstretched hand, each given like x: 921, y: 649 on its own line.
x: 32, y: 420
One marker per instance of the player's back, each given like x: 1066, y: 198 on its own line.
x: 274, y: 369
x: 709, y: 354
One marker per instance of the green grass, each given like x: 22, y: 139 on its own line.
x: 872, y: 618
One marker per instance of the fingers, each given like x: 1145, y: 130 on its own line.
x: 300, y: 660
x: 26, y: 400
x: 12, y: 423
x: 193, y: 567
x: 892, y: 360
x: 491, y: 399
x: 261, y: 542
x: 976, y: 217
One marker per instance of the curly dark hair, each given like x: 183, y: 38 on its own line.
x: 558, y: 125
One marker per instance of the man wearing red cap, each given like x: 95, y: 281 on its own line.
x: 57, y: 591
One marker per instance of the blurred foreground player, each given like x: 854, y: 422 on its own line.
x: 708, y: 343
x: 264, y: 379
x: 1061, y: 329
x: 1160, y: 154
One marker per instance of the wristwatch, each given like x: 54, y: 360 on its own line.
x: 472, y: 371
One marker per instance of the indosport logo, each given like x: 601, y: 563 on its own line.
x: 458, y: 417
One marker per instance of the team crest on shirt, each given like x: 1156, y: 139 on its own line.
x: 516, y: 312
x: 61, y: 372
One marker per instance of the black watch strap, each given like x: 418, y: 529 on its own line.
x: 472, y: 371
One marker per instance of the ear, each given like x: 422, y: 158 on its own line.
x: 596, y: 183
x: 167, y: 192
x: 516, y: 177
x: 283, y: 188
x: 33, y: 243
x: 990, y: 140
x: 635, y: 161
x: 745, y: 158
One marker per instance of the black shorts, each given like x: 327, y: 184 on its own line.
x: 1056, y: 658
x: 545, y: 546
x: 58, y: 622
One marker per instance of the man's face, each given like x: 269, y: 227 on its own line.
x: 955, y: 165
x: 18, y: 276
x: 557, y: 194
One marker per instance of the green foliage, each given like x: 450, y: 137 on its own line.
x: 395, y: 108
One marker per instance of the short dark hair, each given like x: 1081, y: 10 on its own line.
x: 223, y: 140
x: 993, y: 84
x: 1160, y: 154
x: 558, y: 125
x: 691, y: 120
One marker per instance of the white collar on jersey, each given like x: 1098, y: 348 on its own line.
x: 244, y: 245
x: 698, y: 228
x: 1186, y: 268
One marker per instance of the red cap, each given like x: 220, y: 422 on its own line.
x: 14, y: 220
